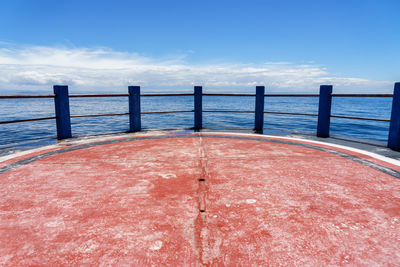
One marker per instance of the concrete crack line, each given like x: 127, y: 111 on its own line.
x: 202, y: 231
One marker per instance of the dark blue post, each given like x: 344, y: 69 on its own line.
x: 198, y: 108
x: 135, y: 124
x: 259, y: 115
x: 324, y: 110
x: 63, y: 119
x: 394, y: 129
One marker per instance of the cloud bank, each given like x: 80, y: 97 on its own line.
x: 37, y: 68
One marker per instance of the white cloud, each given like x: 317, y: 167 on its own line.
x: 101, y: 69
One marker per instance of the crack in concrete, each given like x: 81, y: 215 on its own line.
x: 202, y: 232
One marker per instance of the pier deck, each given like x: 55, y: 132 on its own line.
x: 199, y: 199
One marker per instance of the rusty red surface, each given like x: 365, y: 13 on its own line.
x: 199, y: 200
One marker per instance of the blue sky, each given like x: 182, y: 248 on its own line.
x: 287, y: 45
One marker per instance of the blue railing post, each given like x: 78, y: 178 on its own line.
x: 259, y: 112
x: 394, y: 129
x: 198, y: 107
x: 63, y: 118
x: 135, y: 124
x: 324, y: 110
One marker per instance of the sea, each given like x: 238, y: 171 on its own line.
x: 17, y: 134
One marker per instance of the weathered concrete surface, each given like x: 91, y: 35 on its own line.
x: 199, y: 199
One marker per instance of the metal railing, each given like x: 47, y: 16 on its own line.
x: 26, y: 120
x: 63, y: 117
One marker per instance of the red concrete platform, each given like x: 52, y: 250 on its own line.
x: 199, y: 199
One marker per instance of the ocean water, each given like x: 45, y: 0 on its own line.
x: 17, y: 109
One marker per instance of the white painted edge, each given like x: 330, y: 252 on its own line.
x: 79, y: 141
x: 26, y: 152
x: 89, y: 140
x: 364, y: 152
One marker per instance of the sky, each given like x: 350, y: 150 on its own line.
x: 285, y: 45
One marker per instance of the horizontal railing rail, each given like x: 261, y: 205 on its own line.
x: 63, y: 117
x: 26, y: 120
x: 291, y: 95
x: 98, y: 115
x: 127, y: 95
x: 362, y: 95
x: 289, y: 113
x: 172, y: 94
x: 359, y: 118
x: 190, y: 94
x: 229, y: 111
x: 166, y: 111
x: 127, y: 113
x: 223, y: 94
x: 97, y: 95
x: 26, y: 96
